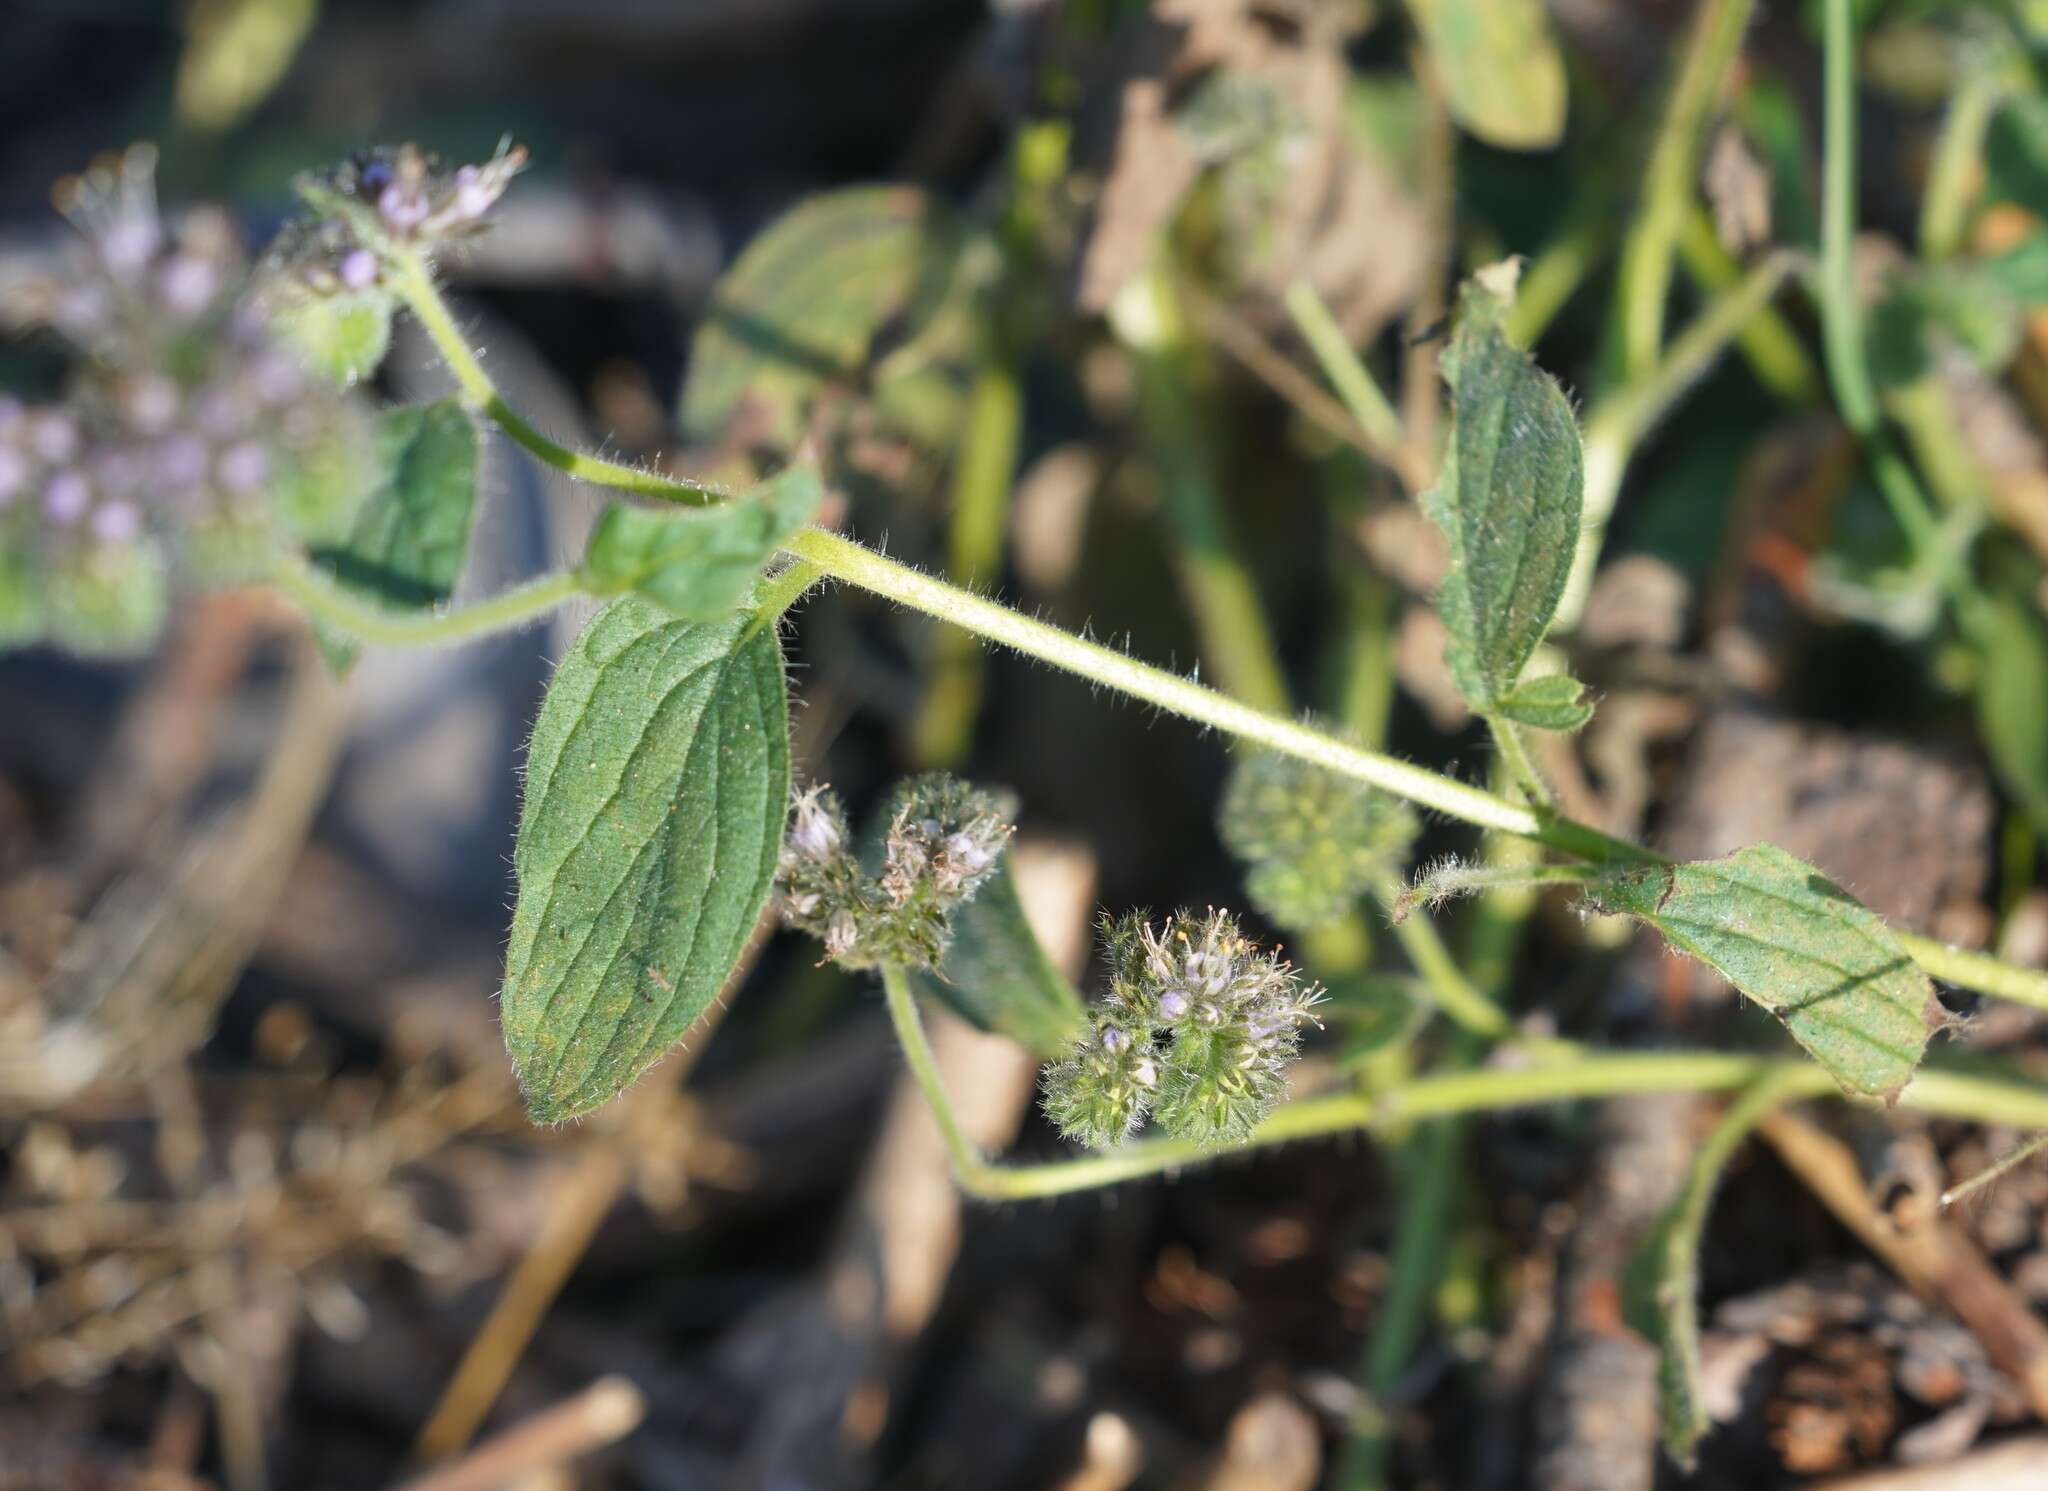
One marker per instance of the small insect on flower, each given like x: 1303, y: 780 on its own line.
x: 1197, y: 1031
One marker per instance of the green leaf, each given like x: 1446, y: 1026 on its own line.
x: 341, y: 337
x: 656, y: 786
x: 996, y: 976
x: 1803, y: 948
x: 1508, y: 501
x: 410, y: 538
x: 1502, y: 72
x: 2015, y: 662
x: 810, y: 303
x: 1555, y: 701
x: 697, y: 562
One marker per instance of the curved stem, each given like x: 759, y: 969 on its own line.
x: 968, y: 1164
x: 414, y: 282
x: 321, y: 597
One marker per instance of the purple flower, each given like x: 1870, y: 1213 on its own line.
x: 188, y: 285
x: 243, y: 467
x: 358, y: 269
x: 13, y: 474
x: 181, y: 461
x: 66, y: 496
x: 53, y: 436
x: 128, y: 243
x: 403, y: 206
x: 116, y: 522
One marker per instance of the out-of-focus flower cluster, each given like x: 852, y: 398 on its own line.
x: 1197, y: 1031
x: 1314, y: 842
x: 943, y: 841
x: 185, y: 434
x: 205, y: 424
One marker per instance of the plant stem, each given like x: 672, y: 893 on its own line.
x: 1678, y: 1285
x: 984, y: 467
x: 1710, y: 53
x: 323, y: 598
x: 1230, y: 625
x: 414, y: 281
x: 1841, y: 313
x: 847, y: 560
x: 1952, y: 1094
x: 1456, y: 995
x: 1955, y: 174
x: 1622, y: 420
x: 1353, y: 381
x: 1551, y: 278
x: 1776, y: 354
x: 968, y: 1164
x: 1979, y: 971
x: 776, y: 593
x: 1514, y: 754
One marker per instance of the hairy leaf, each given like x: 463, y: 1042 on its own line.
x: 811, y: 303
x: 697, y: 563
x: 1555, y: 701
x: 1508, y: 501
x: 410, y: 537
x: 1502, y: 72
x: 997, y: 976
x: 656, y: 786
x: 1803, y: 948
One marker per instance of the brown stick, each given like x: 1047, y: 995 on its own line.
x: 606, y: 1411
x: 1933, y: 1258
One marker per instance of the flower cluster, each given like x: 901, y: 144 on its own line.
x: 944, y: 839
x: 1197, y: 1030
x: 186, y: 430
x: 1315, y: 842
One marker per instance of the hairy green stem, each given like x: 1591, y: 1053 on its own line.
x: 414, y: 281
x: 325, y: 599
x: 1952, y: 1094
x: 776, y: 593
x: 1521, y: 766
x: 850, y: 561
x: 1453, y: 993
